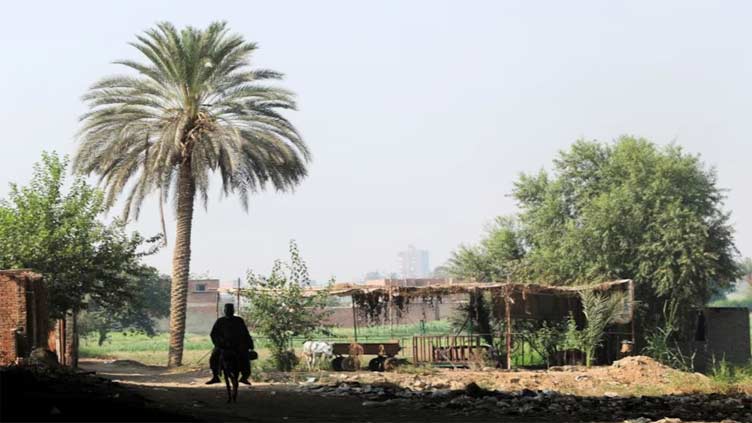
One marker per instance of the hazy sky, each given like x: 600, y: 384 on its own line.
x: 419, y: 114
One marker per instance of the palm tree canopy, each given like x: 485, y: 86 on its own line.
x: 196, y: 100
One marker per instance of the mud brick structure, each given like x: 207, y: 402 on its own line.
x: 721, y: 333
x: 24, y: 316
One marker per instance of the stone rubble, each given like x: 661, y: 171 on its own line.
x: 474, y: 400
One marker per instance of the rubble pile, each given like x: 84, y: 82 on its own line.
x: 474, y: 400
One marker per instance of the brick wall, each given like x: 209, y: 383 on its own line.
x: 23, y: 314
x: 9, y: 319
x: 208, y: 296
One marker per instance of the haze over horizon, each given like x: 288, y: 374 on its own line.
x: 419, y: 115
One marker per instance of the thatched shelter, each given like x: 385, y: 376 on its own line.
x: 511, y: 301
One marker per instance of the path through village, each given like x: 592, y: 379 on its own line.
x: 442, y: 397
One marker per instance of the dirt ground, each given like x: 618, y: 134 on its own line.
x: 285, y: 397
x: 637, y: 375
x: 184, y: 392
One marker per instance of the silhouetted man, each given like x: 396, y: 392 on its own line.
x: 230, y: 333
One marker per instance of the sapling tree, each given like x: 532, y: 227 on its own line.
x: 600, y: 310
x: 282, y: 306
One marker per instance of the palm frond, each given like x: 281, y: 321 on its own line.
x: 194, y: 98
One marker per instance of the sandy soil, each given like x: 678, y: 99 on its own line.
x: 631, y: 376
x: 184, y: 392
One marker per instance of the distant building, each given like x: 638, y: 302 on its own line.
x: 206, y: 301
x: 408, y: 282
x: 414, y: 263
x: 202, y: 292
x: 371, y: 276
x: 204, y: 304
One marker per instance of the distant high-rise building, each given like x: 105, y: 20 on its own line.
x: 414, y: 263
x: 372, y: 276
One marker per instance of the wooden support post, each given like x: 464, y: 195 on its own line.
x: 391, y: 313
x: 634, y: 315
x: 237, y: 307
x: 355, y: 320
x: 508, y: 312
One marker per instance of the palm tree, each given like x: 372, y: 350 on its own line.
x: 194, y: 107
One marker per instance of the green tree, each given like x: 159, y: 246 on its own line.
x: 150, y: 300
x: 57, y: 233
x: 281, y: 309
x: 629, y: 209
x: 53, y: 227
x: 440, y: 272
x: 194, y: 107
x: 740, y: 295
x: 496, y: 258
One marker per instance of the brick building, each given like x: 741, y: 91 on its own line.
x: 24, y: 317
x: 202, y: 305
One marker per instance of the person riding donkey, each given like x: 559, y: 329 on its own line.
x: 230, y: 333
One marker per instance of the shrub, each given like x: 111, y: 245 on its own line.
x: 281, y: 308
x: 662, y: 343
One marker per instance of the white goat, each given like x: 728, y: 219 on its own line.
x: 313, y: 351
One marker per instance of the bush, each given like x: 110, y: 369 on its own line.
x: 281, y: 309
x: 662, y: 343
x: 285, y: 360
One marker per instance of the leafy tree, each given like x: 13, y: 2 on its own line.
x: 631, y: 210
x: 150, y: 300
x: 280, y: 308
x: 57, y: 233
x: 440, y: 272
x: 746, y: 269
x: 740, y: 294
x: 496, y: 258
x: 194, y: 107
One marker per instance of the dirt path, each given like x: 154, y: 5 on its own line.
x: 184, y: 392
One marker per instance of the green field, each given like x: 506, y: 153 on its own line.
x: 153, y: 351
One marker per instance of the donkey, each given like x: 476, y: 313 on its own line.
x: 229, y: 362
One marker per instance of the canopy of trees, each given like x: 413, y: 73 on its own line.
x: 628, y: 209
x: 149, y: 300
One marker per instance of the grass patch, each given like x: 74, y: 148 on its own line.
x: 153, y: 350
x: 732, y: 378
x: 437, y: 327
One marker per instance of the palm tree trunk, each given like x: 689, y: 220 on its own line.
x: 181, y: 259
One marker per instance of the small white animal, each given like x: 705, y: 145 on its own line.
x: 313, y: 351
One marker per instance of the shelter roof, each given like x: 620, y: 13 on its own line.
x: 343, y: 290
